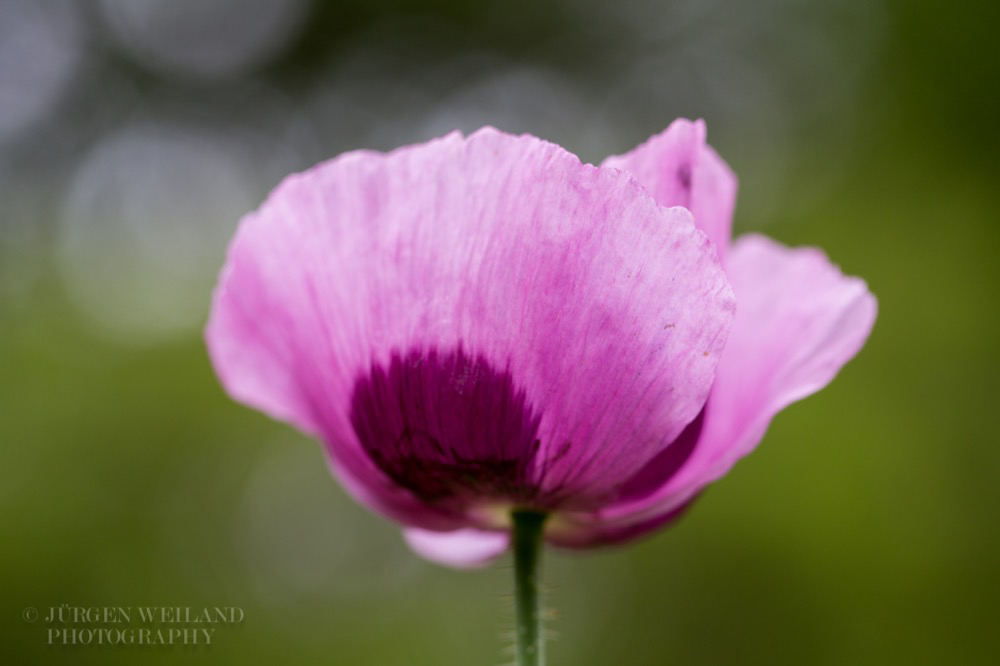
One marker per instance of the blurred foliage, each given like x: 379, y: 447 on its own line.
x: 863, y: 530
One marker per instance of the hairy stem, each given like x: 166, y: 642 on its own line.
x: 530, y: 648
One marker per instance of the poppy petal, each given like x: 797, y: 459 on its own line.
x: 799, y: 321
x: 678, y: 168
x: 463, y: 549
x: 607, y: 312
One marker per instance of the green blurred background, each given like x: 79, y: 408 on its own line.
x: 134, y: 134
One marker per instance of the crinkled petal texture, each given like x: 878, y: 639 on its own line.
x: 473, y: 324
x: 799, y: 321
x: 679, y: 169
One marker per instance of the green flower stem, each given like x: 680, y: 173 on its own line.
x: 530, y: 647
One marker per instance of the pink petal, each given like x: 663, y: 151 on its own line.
x: 505, y: 256
x: 463, y: 549
x: 799, y: 321
x: 679, y: 169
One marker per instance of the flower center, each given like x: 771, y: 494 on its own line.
x: 448, y: 427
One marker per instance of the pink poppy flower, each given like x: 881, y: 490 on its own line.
x: 474, y: 325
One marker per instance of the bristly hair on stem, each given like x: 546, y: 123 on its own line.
x: 527, y: 531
